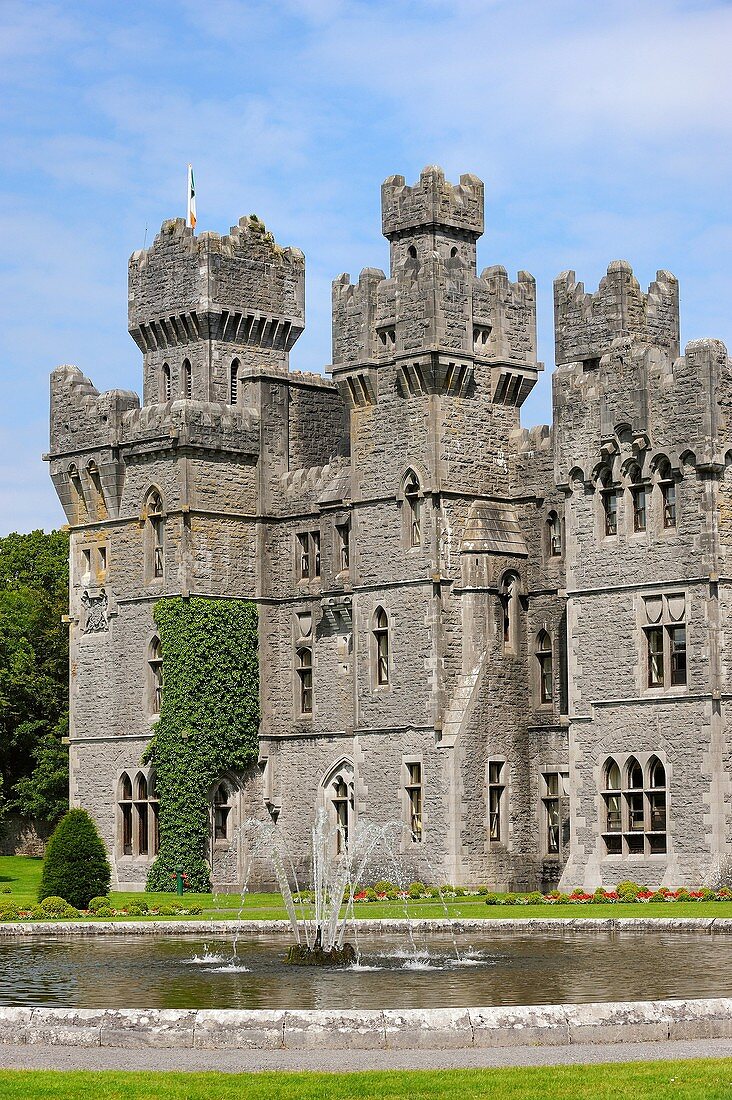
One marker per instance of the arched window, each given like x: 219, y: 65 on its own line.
x: 222, y: 807
x: 155, y: 664
x: 413, y: 789
x: 635, y: 815
x: 545, y: 661
x: 156, y: 534
x: 138, y: 815
x: 656, y: 805
x: 554, y: 535
x: 510, y: 608
x: 305, y: 679
x: 638, y: 498
x: 125, y: 813
x: 165, y: 389
x: 412, y: 252
x: 142, y: 816
x: 341, y: 799
x: 413, y: 498
x: 609, y: 498
x: 234, y: 383
x: 381, y: 646
x: 667, y: 486
x: 187, y: 380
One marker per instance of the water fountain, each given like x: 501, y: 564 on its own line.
x: 339, y: 862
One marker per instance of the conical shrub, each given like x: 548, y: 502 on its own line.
x: 76, y: 866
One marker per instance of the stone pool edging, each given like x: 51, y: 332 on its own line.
x: 387, y: 1029
x: 368, y: 925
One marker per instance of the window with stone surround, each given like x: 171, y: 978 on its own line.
x: 154, y: 523
x: 234, y: 383
x: 609, y: 499
x: 554, y: 535
x: 165, y: 383
x: 667, y: 490
x: 307, y: 555
x: 304, y: 657
x: 413, y: 499
x: 222, y: 807
x: 155, y: 666
x: 545, y: 663
x: 510, y: 609
x: 413, y: 791
x: 634, y: 807
x: 638, y: 497
x: 187, y: 380
x: 77, y: 495
x: 664, y: 631
x: 496, y: 797
x: 343, y: 546
x: 555, y: 812
x: 137, y: 815
x: 381, y: 647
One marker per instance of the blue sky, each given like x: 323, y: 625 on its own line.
x: 601, y: 131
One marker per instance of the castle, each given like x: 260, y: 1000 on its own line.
x: 514, y: 642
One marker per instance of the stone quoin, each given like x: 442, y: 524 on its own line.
x: 512, y: 641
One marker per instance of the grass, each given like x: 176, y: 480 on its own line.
x: 710, y: 1079
x: 23, y: 875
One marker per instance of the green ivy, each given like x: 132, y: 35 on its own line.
x: 208, y: 723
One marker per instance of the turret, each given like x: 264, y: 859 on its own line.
x: 434, y: 316
x: 203, y: 309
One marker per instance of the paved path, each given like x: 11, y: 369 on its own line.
x: 240, y: 1061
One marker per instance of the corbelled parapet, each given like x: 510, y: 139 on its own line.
x: 586, y: 324
x: 433, y: 201
x: 243, y: 288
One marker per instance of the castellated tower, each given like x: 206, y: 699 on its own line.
x: 198, y: 303
x: 642, y: 437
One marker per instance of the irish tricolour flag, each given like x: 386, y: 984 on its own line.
x: 191, y: 216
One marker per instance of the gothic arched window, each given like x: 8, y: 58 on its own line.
x: 667, y: 485
x: 305, y: 679
x: 554, y: 535
x: 638, y: 498
x: 165, y: 386
x: 510, y: 608
x: 413, y: 498
x: 381, y: 646
x: 155, y: 522
x: 124, y: 796
x: 155, y: 664
x: 222, y: 811
x: 609, y: 497
x: 187, y: 380
x: 545, y: 661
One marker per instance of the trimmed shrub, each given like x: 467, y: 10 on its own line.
x: 134, y: 911
x: 104, y: 912
x: 99, y: 903
x: 5, y: 890
x: 383, y: 886
x: 416, y: 890
x: 76, y: 865
x: 58, y: 908
x: 8, y: 911
x: 627, y: 891
x: 492, y: 899
x: 36, y: 913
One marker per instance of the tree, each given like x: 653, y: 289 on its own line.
x: 76, y: 867
x: 34, y: 675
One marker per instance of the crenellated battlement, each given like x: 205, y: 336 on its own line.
x: 586, y: 324
x: 355, y: 311
x: 242, y: 287
x: 432, y: 202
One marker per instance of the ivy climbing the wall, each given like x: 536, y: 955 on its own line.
x: 208, y: 725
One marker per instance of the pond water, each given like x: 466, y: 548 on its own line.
x: 503, y: 969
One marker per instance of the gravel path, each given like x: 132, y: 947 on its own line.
x: 238, y: 1061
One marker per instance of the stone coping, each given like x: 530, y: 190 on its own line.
x: 387, y: 1029
x: 366, y: 925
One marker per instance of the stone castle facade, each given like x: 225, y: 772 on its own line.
x: 514, y: 642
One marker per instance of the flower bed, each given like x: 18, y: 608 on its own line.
x: 624, y: 893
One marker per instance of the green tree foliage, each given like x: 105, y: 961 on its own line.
x: 34, y: 654
x: 76, y: 866
x: 208, y: 725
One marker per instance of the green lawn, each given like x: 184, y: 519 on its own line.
x: 688, y: 1080
x: 23, y: 876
